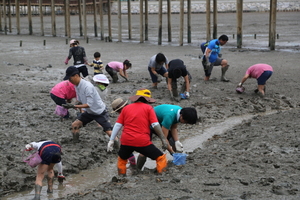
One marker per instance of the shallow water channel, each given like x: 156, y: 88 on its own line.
x: 93, y: 177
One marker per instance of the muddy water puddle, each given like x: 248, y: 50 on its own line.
x: 90, y: 178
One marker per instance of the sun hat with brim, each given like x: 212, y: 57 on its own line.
x: 145, y: 93
x: 71, y: 71
x: 117, y: 104
x: 101, y: 78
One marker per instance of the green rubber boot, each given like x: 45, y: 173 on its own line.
x: 38, y: 190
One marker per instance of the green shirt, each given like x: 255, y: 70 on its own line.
x: 167, y: 114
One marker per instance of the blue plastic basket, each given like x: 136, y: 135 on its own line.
x: 179, y: 158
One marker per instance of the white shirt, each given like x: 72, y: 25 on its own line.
x: 87, y: 94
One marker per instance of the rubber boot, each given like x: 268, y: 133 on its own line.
x: 161, y: 163
x: 132, y: 161
x: 50, y: 185
x: 140, y: 162
x: 115, y: 77
x: 122, y: 166
x: 75, y: 137
x: 224, y: 69
x: 38, y: 190
x: 174, y: 89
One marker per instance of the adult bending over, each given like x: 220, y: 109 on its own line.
x: 262, y: 72
x: 136, y: 118
x: 114, y: 67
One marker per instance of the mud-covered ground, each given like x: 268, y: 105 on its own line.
x: 258, y: 159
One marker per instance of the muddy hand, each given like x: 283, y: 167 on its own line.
x: 68, y: 105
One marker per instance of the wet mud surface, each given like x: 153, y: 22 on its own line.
x: 257, y: 159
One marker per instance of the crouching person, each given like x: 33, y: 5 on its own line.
x: 50, y: 153
x: 136, y: 118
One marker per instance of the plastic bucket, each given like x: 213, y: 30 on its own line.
x: 179, y: 158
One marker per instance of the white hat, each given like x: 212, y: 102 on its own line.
x: 101, y: 78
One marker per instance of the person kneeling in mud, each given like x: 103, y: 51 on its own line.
x: 50, y: 153
x: 136, y: 118
x: 212, y: 57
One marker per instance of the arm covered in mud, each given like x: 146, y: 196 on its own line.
x: 161, y: 136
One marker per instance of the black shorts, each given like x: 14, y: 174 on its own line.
x: 50, y: 154
x: 102, y: 119
x: 149, y: 151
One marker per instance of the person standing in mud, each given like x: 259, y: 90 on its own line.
x: 262, y: 72
x: 90, y: 100
x: 50, y: 153
x: 156, y: 68
x: 114, y: 67
x: 136, y: 118
x: 176, y: 70
x: 212, y: 57
x: 97, y: 64
x: 169, y: 116
x: 79, y: 56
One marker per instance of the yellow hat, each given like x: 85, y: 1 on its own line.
x: 145, y: 93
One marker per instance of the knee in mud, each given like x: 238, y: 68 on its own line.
x: 75, y: 128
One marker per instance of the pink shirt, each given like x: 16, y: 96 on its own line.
x: 256, y: 70
x: 64, y: 90
x: 116, y: 65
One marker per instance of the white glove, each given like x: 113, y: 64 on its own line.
x: 240, y: 84
x: 187, y: 94
x: 179, y: 146
x: 28, y: 147
x: 110, y: 146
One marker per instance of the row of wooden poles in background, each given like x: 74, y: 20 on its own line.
x: 87, y: 40
x: 143, y: 19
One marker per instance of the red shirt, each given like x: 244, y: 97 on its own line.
x: 136, y: 119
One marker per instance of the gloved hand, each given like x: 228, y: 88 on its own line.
x: 67, y: 60
x: 187, y: 95
x: 28, y: 147
x: 110, y: 146
x: 239, y: 85
x: 68, y: 105
x: 179, y: 146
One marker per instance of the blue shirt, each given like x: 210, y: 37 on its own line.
x: 215, y: 48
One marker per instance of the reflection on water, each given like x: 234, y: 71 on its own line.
x: 90, y: 178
